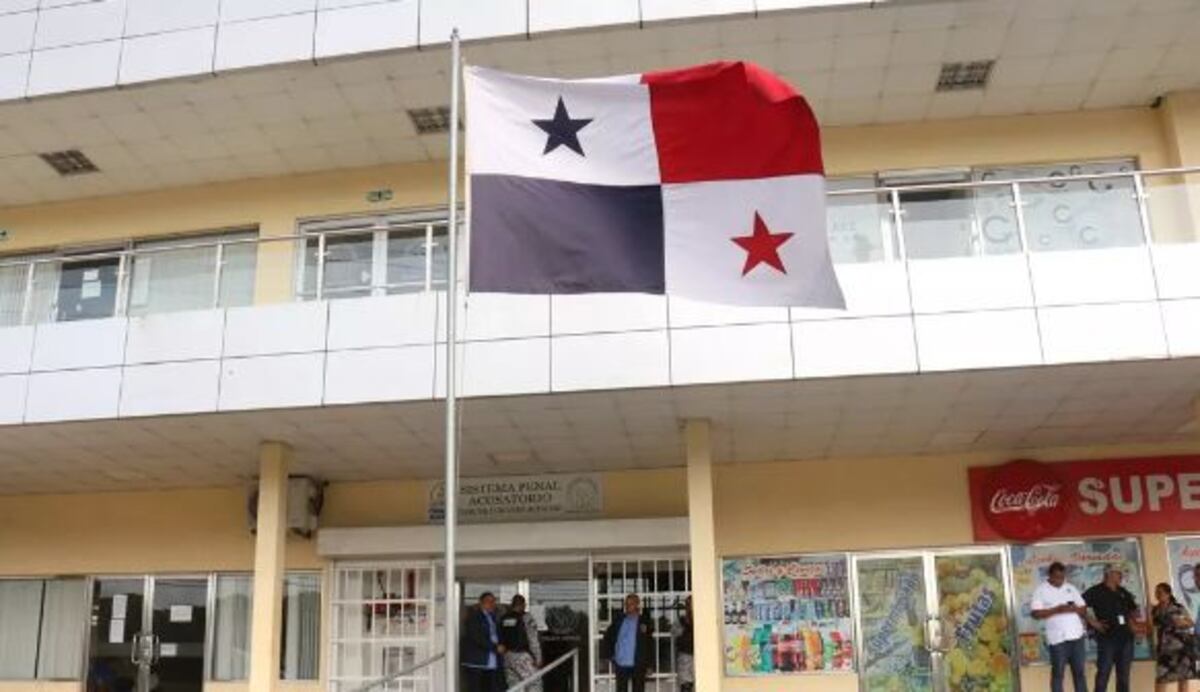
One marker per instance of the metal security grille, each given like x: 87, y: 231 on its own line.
x: 383, y: 623
x: 664, y: 584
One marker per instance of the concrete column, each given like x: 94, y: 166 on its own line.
x: 1175, y: 200
x: 267, y: 617
x: 706, y: 593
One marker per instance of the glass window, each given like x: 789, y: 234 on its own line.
x: 373, y: 256
x: 41, y: 628
x: 172, y: 275
x: 300, y: 655
x: 860, y: 228
x: 1077, y: 215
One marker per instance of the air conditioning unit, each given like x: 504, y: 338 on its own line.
x: 306, y: 496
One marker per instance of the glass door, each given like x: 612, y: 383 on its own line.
x: 87, y: 289
x: 178, y: 624
x: 935, y: 622
x: 115, y: 651
x: 893, y: 611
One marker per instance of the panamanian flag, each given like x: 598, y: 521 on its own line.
x: 705, y: 182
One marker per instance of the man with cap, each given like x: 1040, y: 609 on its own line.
x: 522, y: 649
x: 1114, y: 610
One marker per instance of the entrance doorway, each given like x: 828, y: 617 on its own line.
x: 556, y: 597
x: 147, y: 634
x: 936, y: 621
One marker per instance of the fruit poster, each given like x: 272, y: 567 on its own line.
x: 1085, y: 562
x: 976, y: 630
x: 894, y: 609
x: 787, y: 615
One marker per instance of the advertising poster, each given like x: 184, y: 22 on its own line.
x: 891, y: 594
x: 1183, y: 554
x: 976, y: 632
x: 1085, y: 562
x: 787, y: 615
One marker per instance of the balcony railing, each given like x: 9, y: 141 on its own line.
x: 1073, y: 239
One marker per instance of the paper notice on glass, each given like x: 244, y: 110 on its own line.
x: 168, y: 650
x: 116, y: 631
x: 119, y: 603
x: 181, y: 613
x: 91, y: 274
x: 538, y: 613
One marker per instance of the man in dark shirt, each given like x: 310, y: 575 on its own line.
x: 1113, y: 610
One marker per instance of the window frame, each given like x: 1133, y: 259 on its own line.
x: 81, y: 634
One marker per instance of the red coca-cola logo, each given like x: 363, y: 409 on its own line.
x: 1025, y: 500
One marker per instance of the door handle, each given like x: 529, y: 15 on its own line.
x: 135, y: 650
x: 155, y: 649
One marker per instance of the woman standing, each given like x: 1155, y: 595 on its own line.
x: 1175, y: 653
x: 685, y: 662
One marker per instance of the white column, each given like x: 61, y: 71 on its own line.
x: 706, y: 607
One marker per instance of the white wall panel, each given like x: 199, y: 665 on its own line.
x: 1177, y: 266
x: 265, y: 41
x: 14, y: 75
x: 82, y: 344
x: 100, y: 20
x: 365, y: 28
x: 379, y: 374
x: 961, y: 341
x: 1092, y: 276
x: 90, y: 66
x: 7, y: 6
x: 13, y: 389
x: 399, y: 320
x: 607, y: 312
x: 611, y: 361
x: 871, y: 289
x: 1181, y: 318
x: 73, y: 395
x: 272, y: 381
x: 654, y: 10
x: 970, y: 283
x: 166, y: 388
x: 693, y: 313
x: 555, y: 15
x: 16, y: 349
x: 158, y: 16
x: 494, y: 368
x: 743, y: 353
x: 16, y: 32
x: 1102, y: 332
x: 862, y: 346
x: 240, y: 10
x: 474, y: 19
x: 163, y: 56
x: 498, y: 316
x: 282, y: 328
x: 173, y: 336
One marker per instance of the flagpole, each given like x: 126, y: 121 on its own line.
x: 451, y: 487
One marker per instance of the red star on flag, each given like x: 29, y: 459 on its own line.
x: 762, y: 247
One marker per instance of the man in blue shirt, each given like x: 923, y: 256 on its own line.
x: 481, y: 648
x: 629, y: 644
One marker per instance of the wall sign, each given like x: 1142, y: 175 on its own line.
x: 521, y: 498
x: 1027, y: 500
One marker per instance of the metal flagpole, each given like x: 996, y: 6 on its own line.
x: 451, y: 489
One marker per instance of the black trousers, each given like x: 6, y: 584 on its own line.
x: 483, y: 680
x: 630, y: 679
x: 1113, y: 652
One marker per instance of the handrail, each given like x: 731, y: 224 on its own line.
x: 573, y: 654
x: 403, y: 673
x: 1038, y: 180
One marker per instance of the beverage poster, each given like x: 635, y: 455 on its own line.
x: 787, y: 615
x: 1183, y: 554
x: 1085, y: 562
x: 894, y: 612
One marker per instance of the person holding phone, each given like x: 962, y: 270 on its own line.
x: 1059, y: 605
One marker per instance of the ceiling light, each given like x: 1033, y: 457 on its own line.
x: 429, y: 121
x: 957, y: 76
x: 69, y: 162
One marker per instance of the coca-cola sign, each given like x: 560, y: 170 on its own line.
x: 1027, y: 500
x: 1024, y: 500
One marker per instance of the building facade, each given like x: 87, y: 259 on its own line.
x: 222, y: 347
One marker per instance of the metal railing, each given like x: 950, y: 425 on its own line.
x: 873, y: 224
x: 572, y: 655
x: 404, y: 673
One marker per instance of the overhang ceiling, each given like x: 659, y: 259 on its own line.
x: 1012, y: 411
x: 857, y: 67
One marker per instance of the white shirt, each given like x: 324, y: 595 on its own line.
x: 1063, y: 627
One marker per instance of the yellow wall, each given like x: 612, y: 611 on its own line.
x: 868, y: 504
